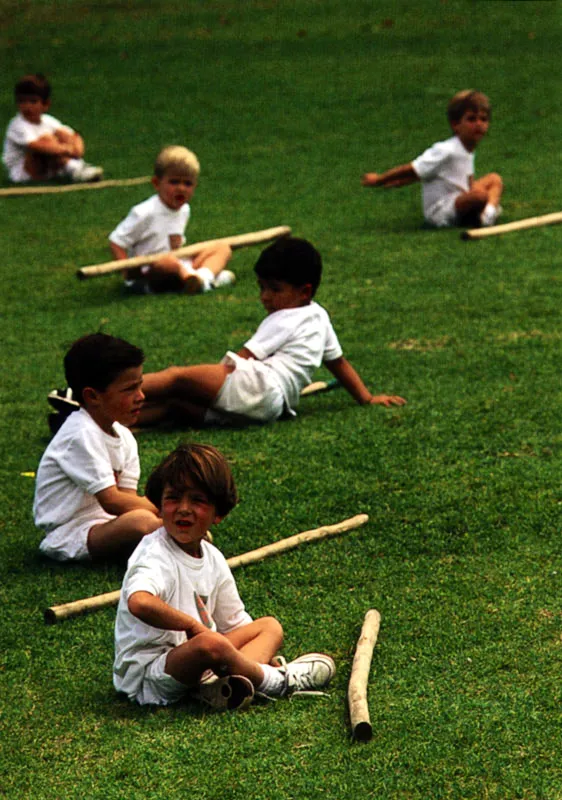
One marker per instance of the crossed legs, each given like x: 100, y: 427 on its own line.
x: 188, y: 390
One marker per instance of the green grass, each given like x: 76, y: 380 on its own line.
x: 286, y: 104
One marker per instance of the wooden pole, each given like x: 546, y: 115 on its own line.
x: 241, y: 240
x: 319, y: 386
x: 18, y: 191
x: 72, y: 609
x: 518, y: 225
x: 357, y: 690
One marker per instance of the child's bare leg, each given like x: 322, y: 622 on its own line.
x: 187, y: 662
x: 260, y: 640
x: 120, y: 536
x: 484, y: 191
x: 42, y: 165
x: 199, y: 384
x: 215, y: 258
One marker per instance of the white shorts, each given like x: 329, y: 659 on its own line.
x: 157, y: 687
x: 250, y: 393
x: 69, y: 542
x: 443, y: 213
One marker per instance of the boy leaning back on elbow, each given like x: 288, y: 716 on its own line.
x: 450, y: 194
x: 263, y: 380
x: 181, y: 627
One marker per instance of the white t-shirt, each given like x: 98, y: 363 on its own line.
x: 444, y: 169
x: 19, y: 134
x: 202, y: 587
x: 80, y: 461
x: 148, y: 226
x: 293, y: 342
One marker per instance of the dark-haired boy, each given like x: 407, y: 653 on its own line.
x: 263, y: 380
x: 37, y: 146
x: 450, y: 194
x: 181, y: 625
x: 86, y: 499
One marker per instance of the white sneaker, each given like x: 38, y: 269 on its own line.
x: 308, y: 674
x: 490, y: 215
x: 224, y: 278
x: 86, y: 173
x: 235, y: 692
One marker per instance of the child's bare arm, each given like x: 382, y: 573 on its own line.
x: 151, y: 609
x: 118, y: 252
x: 49, y: 144
x: 392, y: 178
x: 245, y: 353
x: 351, y: 381
x: 118, y: 501
x: 72, y: 140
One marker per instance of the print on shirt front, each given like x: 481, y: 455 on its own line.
x: 202, y: 609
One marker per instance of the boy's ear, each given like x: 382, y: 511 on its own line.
x: 218, y: 519
x: 155, y: 181
x: 89, y: 395
x: 307, y: 292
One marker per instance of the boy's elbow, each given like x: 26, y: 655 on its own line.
x: 139, y: 603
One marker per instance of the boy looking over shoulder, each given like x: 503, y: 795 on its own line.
x: 158, y: 224
x: 37, y: 147
x: 263, y: 380
x: 86, y: 499
x: 181, y: 626
x: 450, y: 194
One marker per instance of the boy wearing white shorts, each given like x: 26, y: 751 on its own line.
x: 158, y: 225
x: 86, y: 500
x: 450, y: 195
x: 181, y: 627
x: 263, y: 380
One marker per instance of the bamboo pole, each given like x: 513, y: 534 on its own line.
x: 19, y: 191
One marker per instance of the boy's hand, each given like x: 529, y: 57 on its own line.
x: 386, y: 400
x: 370, y: 179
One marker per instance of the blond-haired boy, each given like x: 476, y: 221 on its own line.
x: 158, y: 225
x: 450, y: 195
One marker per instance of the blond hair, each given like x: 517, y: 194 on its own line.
x: 467, y: 100
x: 177, y: 159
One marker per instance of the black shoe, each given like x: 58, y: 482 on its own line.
x: 61, y: 400
x: 55, y: 422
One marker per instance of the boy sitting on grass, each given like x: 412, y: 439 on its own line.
x: 38, y: 147
x: 86, y: 499
x: 450, y: 194
x: 158, y: 225
x: 181, y: 627
x: 264, y: 379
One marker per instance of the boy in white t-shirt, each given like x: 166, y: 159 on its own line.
x: 450, y: 194
x: 86, y: 500
x: 181, y: 627
x: 37, y: 147
x: 263, y: 380
x: 158, y: 224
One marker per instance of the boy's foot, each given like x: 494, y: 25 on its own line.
x: 224, y: 278
x: 61, y: 400
x: 87, y: 173
x: 235, y: 692
x: 309, y: 673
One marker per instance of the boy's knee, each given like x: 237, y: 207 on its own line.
x: 212, y: 647
x: 225, y: 251
x: 496, y: 180
x: 143, y: 521
x: 273, y: 628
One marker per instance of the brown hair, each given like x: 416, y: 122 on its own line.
x: 200, y: 464
x: 33, y: 84
x: 467, y: 100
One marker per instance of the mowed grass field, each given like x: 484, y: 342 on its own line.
x: 286, y: 105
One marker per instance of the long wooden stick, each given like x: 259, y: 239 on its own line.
x: 241, y: 240
x: 17, y: 191
x: 357, y: 690
x: 518, y: 225
x: 66, y: 610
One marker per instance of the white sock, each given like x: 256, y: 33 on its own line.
x: 73, y: 165
x: 489, y: 214
x: 207, y: 277
x: 273, y: 681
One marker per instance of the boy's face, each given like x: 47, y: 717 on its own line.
x: 120, y: 402
x: 31, y: 107
x: 276, y: 295
x: 471, y: 128
x: 187, y: 516
x: 174, y: 189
